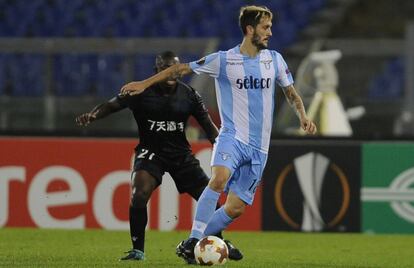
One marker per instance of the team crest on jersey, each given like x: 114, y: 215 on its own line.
x: 201, y: 61
x: 266, y: 63
x: 225, y: 156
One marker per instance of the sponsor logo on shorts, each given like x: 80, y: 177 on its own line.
x: 225, y: 156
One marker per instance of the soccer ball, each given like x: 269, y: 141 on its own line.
x: 211, y: 250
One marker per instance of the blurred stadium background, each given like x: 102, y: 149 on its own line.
x: 353, y: 63
x: 58, y: 58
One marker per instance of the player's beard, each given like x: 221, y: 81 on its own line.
x: 257, y: 43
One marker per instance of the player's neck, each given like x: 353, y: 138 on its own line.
x: 248, y: 49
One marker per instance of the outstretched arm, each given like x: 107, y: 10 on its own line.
x: 296, y: 103
x: 173, y: 72
x: 100, y: 111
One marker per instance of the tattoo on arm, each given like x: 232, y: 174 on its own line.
x: 295, y: 101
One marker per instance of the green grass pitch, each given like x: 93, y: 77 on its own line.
x: 98, y: 248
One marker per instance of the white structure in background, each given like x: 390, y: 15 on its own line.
x: 404, y: 125
x: 326, y: 106
x: 317, y: 81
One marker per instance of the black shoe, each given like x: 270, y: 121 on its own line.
x: 185, y: 250
x: 134, y: 254
x: 234, y: 253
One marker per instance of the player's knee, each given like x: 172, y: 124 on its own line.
x: 140, y: 197
x: 218, y: 180
x: 217, y: 183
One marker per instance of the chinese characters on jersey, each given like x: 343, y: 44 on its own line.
x: 167, y: 126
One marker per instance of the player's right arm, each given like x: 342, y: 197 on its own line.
x: 173, y: 72
x: 202, y: 116
x: 100, y: 111
x: 285, y: 80
x: 209, y: 64
x: 295, y: 101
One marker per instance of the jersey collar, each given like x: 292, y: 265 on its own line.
x: 236, y: 50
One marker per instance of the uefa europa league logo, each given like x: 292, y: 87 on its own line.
x: 310, y: 170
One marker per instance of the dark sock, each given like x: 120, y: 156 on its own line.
x: 138, y: 219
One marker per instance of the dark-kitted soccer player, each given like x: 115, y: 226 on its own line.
x: 161, y: 115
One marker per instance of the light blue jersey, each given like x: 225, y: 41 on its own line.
x: 245, y: 89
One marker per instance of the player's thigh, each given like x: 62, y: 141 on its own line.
x: 146, y: 177
x: 143, y: 180
x: 189, y: 176
x: 247, y: 177
x: 226, y: 153
x: 142, y: 184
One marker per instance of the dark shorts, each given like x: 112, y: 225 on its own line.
x: 185, y: 170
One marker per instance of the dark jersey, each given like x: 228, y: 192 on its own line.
x: 162, y: 118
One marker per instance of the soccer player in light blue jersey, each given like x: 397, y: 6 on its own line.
x: 246, y: 77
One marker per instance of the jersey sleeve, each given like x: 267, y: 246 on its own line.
x: 209, y: 64
x: 284, y: 77
x: 202, y: 116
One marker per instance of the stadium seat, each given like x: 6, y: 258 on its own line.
x: 80, y: 75
x: 144, y: 66
x: 2, y: 74
x: 75, y: 75
x: 301, y: 13
x: 284, y: 33
x: 389, y: 84
x: 30, y: 84
x: 91, y: 18
x: 110, y: 77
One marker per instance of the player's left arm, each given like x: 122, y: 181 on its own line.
x: 202, y: 116
x: 295, y: 101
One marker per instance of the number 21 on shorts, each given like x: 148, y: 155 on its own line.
x: 145, y: 154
